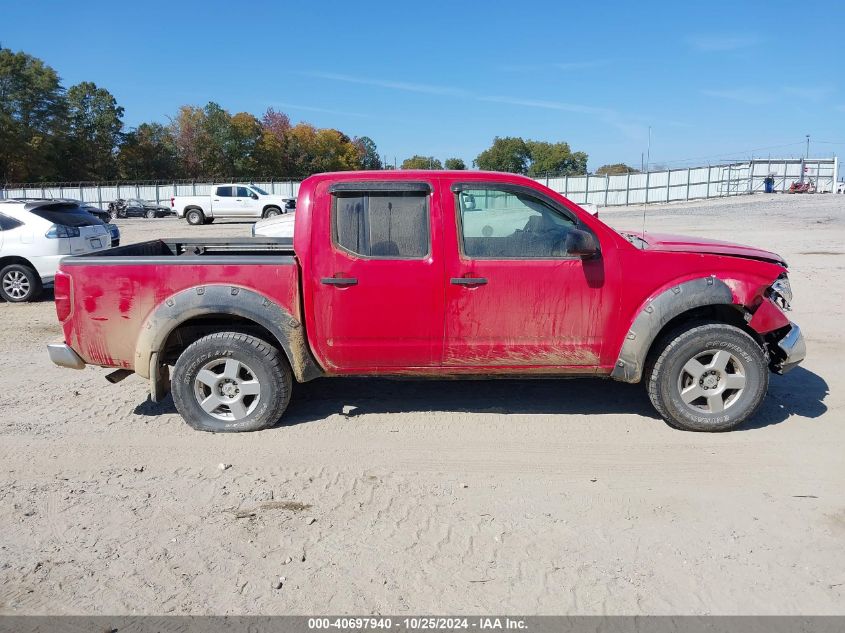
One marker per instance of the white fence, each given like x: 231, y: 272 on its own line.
x: 691, y: 183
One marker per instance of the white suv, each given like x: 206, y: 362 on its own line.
x: 34, y: 236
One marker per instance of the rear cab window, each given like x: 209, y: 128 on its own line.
x: 381, y: 223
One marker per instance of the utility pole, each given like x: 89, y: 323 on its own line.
x: 808, y: 147
x: 648, y: 151
x: 642, y: 161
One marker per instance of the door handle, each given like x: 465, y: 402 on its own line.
x: 339, y: 281
x: 469, y: 281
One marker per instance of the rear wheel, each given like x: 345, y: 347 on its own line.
x: 711, y: 377
x: 229, y: 382
x: 194, y: 217
x: 19, y: 283
x: 151, y: 214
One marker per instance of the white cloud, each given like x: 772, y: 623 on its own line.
x: 394, y: 85
x: 306, y: 108
x: 747, y: 95
x: 719, y: 43
x: 611, y: 117
x: 566, y: 66
x: 810, y: 93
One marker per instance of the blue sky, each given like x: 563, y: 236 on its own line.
x: 713, y: 80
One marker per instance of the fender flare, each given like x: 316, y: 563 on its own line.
x: 657, y: 312
x: 219, y: 299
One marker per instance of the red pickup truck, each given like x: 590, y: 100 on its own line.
x: 432, y: 273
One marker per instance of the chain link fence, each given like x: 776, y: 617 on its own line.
x: 689, y: 183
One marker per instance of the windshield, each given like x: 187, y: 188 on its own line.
x: 259, y: 190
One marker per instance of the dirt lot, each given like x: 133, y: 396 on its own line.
x: 509, y: 496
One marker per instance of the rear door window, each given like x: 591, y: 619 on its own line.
x: 383, y: 225
x: 224, y: 192
x: 66, y: 215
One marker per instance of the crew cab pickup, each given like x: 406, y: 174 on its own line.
x: 432, y: 274
x: 237, y: 201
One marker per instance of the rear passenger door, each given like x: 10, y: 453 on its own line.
x: 378, y: 281
x: 223, y: 201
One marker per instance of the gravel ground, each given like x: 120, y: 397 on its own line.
x: 436, y: 497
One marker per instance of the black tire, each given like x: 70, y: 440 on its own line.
x: 194, y: 217
x: 257, y: 362
x: 151, y: 214
x: 272, y: 212
x: 675, y: 375
x: 19, y: 283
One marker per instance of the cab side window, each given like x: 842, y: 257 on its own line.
x: 7, y: 223
x: 504, y: 224
x: 243, y: 192
x: 384, y: 225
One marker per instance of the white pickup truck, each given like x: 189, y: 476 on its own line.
x: 233, y: 201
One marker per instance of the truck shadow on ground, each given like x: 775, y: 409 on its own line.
x: 800, y: 393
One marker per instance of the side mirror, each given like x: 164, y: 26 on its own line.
x: 254, y: 196
x: 581, y: 243
x: 469, y: 201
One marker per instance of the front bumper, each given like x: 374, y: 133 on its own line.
x: 792, y: 350
x: 63, y: 356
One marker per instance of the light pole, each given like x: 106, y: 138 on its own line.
x: 808, y: 147
x: 648, y: 151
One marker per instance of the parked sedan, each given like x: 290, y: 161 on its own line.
x: 135, y: 207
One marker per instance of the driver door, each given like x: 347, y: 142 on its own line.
x: 248, y: 207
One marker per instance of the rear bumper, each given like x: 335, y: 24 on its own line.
x: 792, y: 350
x: 63, y: 356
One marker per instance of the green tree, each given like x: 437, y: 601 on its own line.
x: 616, y: 169
x: 312, y: 150
x: 186, y: 130
x: 454, y: 163
x: 216, y: 142
x: 509, y: 154
x: 421, y: 162
x: 94, y: 123
x: 555, y: 159
x: 148, y: 153
x: 368, y: 153
x: 31, y: 114
x: 244, y: 146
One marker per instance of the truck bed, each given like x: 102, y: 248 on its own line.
x: 112, y: 294
x: 199, y: 250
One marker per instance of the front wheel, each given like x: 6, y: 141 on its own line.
x: 194, y: 217
x: 228, y: 382
x: 711, y: 377
x: 272, y: 212
x: 19, y: 283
